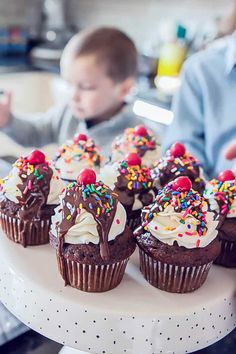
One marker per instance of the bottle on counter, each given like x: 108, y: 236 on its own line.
x: 171, y: 57
x: 173, y: 54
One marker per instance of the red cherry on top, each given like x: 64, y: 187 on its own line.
x: 86, y: 176
x: 80, y: 137
x: 140, y: 130
x: 177, y: 150
x: 36, y: 157
x: 182, y: 184
x: 226, y: 175
x: 133, y: 159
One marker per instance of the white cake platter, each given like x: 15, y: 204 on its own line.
x: 134, y: 318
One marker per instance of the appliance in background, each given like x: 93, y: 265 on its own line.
x: 54, y: 35
x: 13, y: 40
x: 14, y: 44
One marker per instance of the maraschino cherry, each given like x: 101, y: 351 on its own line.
x: 182, y: 184
x: 80, y: 137
x: 177, y: 150
x: 133, y: 159
x: 226, y: 175
x: 86, y: 176
x: 36, y: 157
x: 151, y: 144
x: 140, y: 130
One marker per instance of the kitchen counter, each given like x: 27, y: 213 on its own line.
x: 32, y: 91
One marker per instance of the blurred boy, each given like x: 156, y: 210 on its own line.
x: 100, y: 67
x: 205, y: 104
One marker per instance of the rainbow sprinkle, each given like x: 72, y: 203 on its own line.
x: 138, y: 177
x: 100, y: 192
x: 83, y: 150
x: 176, y: 165
x: 135, y: 143
x: 191, y: 203
x: 224, y: 193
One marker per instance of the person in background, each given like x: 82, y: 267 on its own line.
x: 100, y: 67
x: 227, y: 25
x: 205, y: 105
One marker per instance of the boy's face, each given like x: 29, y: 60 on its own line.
x: 94, y: 94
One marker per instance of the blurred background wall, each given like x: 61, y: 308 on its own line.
x: 141, y: 19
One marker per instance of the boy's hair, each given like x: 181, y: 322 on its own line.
x: 112, y: 48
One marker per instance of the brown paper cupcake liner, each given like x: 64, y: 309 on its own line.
x: 172, y: 278
x: 27, y: 233
x: 227, y: 256
x: 91, y: 278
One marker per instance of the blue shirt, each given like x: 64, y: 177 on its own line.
x: 205, y: 106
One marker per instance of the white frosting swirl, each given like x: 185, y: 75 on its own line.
x: 10, y: 189
x: 109, y: 174
x: 12, y: 192
x: 151, y: 156
x: 167, y: 228
x: 85, y: 228
x: 148, y: 159
x: 56, y: 186
x: 69, y: 164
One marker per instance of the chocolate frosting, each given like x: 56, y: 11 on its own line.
x: 169, y: 167
x: 134, y: 181
x: 98, y: 200
x: 34, y: 188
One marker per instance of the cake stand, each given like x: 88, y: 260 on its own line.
x: 134, y: 318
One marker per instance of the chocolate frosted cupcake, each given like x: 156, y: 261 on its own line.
x: 177, y: 240
x: 178, y: 162
x: 91, y: 236
x: 75, y: 155
x: 221, y: 193
x: 28, y: 197
x: 139, y: 140
x: 133, y: 183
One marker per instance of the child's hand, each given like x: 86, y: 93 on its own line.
x: 5, y: 108
x: 230, y: 152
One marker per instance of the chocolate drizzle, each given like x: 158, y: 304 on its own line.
x: 134, y: 181
x: 169, y: 167
x: 98, y: 201
x: 34, y: 188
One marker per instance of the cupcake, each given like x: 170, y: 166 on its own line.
x: 133, y: 183
x: 75, y: 155
x: 139, y: 140
x: 221, y: 193
x: 178, y: 238
x: 178, y: 162
x: 28, y: 197
x: 91, y: 236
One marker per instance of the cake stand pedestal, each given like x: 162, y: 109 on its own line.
x: 134, y: 318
